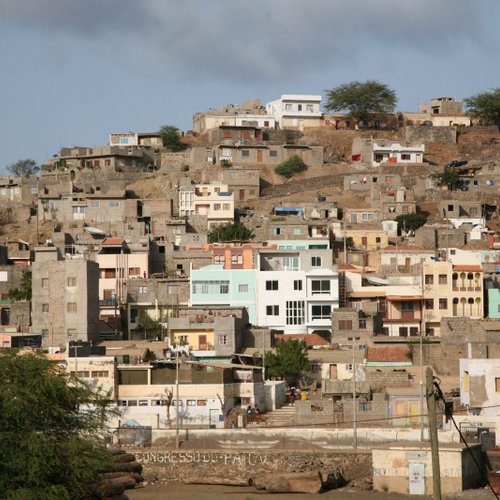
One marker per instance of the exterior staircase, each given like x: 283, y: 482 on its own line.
x: 281, y: 417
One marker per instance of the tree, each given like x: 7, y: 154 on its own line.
x: 23, y: 168
x: 410, y: 222
x: 485, y: 106
x: 448, y: 177
x: 171, y: 138
x: 24, y: 290
x: 290, y: 167
x: 232, y: 231
x: 361, y: 98
x: 288, y: 359
x: 51, y: 430
x: 151, y: 328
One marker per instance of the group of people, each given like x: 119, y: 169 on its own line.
x: 295, y: 394
x: 253, y: 414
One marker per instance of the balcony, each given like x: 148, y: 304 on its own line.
x: 108, y: 303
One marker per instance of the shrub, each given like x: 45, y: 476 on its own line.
x: 290, y: 167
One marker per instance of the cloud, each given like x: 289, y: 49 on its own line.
x: 236, y: 40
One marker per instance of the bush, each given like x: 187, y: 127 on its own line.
x: 290, y: 167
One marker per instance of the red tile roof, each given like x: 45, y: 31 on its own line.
x: 311, y: 339
x: 392, y: 354
x: 467, y: 267
x: 113, y: 241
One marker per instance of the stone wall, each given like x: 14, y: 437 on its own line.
x: 431, y: 134
x: 241, y: 466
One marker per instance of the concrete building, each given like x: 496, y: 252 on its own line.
x: 65, y: 298
x: 451, y: 291
x: 144, y: 388
x: 211, y: 200
x: 310, y: 282
x: 375, y: 152
x: 296, y: 111
x: 213, y: 285
x: 441, y: 105
x: 152, y: 139
x: 243, y: 182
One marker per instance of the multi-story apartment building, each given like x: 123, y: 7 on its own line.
x: 296, y: 111
x: 450, y: 291
x: 296, y: 290
x: 212, y: 200
x: 65, y: 298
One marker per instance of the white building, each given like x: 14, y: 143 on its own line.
x: 296, y: 111
x: 296, y: 290
x: 397, y: 153
x: 213, y: 200
x: 480, y: 385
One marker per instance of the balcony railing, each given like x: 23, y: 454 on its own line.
x: 108, y: 302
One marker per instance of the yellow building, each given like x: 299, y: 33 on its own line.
x: 451, y: 291
x: 368, y: 239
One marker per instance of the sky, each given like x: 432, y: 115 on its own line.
x: 73, y: 71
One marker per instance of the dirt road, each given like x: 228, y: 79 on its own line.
x: 175, y: 491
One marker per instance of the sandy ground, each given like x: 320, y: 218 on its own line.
x: 176, y: 491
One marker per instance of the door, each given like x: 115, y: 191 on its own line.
x: 259, y: 155
x: 416, y: 479
x: 414, y: 412
x: 333, y: 372
x: 242, y: 194
x: 202, y: 342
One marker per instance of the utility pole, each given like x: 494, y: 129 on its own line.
x: 431, y: 406
x: 354, y: 413
x: 177, y: 441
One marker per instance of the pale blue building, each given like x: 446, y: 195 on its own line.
x: 215, y: 286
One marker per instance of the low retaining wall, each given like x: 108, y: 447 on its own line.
x: 238, y: 467
x: 288, y: 438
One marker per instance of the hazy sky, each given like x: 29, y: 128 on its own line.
x: 75, y: 70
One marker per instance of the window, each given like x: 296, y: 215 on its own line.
x: 367, y: 216
x: 107, y: 162
x: 191, y: 402
x: 309, y: 107
x: 216, y: 206
x: 405, y: 156
x: 345, y: 324
x: 71, y: 281
x: 45, y: 282
x: 296, y: 230
x: 297, y: 285
x: 406, y: 306
x: 107, y: 273
x: 134, y: 271
x: 114, y: 204
x: 403, y: 331
x: 429, y: 303
x: 272, y: 310
x: 220, y: 259
x: 290, y: 263
x: 315, y: 367
x: 272, y: 285
x: 201, y: 402
x: 443, y: 303
x: 321, y: 312
x: 362, y: 324
x: 299, y: 107
x: 97, y: 163
x: 443, y: 279
x: 466, y: 381
x: 224, y: 288
x: 245, y: 152
x: 95, y: 204
x: 143, y: 289
x: 223, y: 339
x: 316, y: 261
x: 473, y: 211
x: 497, y: 384
x: 132, y: 402
x: 288, y: 107
x: 276, y: 231
x: 294, y: 312
x: 429, y: 279
x: 100, y: 374
x: 320, y: 286
x: 226, y: 206
x: 273, y: 154
x: 71, y: 307
x: 45, y: 308
x: 242, y: 288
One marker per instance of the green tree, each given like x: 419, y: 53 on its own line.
x: 232, y: 231
x: 51, y: 430
x: 23, y: 168
x: 150, y: 328
x: 24, y: 290
x: 171, y: 138
x: 360, y: 99
x: 410, y: 222
x: 290, y: 167
x: 448, y: 177
x: 485, y: 106
x: 288, y: 359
